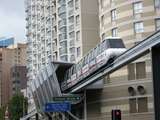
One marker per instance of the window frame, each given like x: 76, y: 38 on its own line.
x: 157, y: 27
x: 78, y: 48
x: 115, y: 32
x: 157, y: 4
x: 113, y: 14
x: 139, y: 27
x: 137, y: 7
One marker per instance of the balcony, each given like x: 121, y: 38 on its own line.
x: 63, y: 51
x: 71, y: 28
x: 62, y: 37
x: 61, y: 2
x: 27, y: 18
x: 70, y: 12
x: 62, y: 23
x: 64, y: 57
x: 54, y: 10
x: 54, y: 47
x: 61, y: 10
x: 72, y: 43
x: 27, y: 25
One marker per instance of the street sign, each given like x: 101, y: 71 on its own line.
x: 72, y: 98
x: 57, y: 107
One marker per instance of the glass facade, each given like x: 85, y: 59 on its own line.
x: 5, y: 42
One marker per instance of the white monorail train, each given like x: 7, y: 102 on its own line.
x: 103, y: 54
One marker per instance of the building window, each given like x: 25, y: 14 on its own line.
x: 64, y: 58
x: 157, y: 4
x: 136, y: 71
x: 142, y: 104
x: 76, y: 4
x: 71, y: 35
x: 70, y: 4
x: 138, y: 27
x: 78, y: 51
x: 114, y: 32
x: 158, y: 24
x: 102, y: 21
x: 103, y: 36
x: 138, y: 7
x: 138, y: 105
x: 114, y: 15
x: 72, y: 58
x: 78, y: 36
x: 112, y: 1
x: 140, y: 70
x: 71, y: 20
x: 102, y: 3
x: 72, y: 50
x: 77, y: 20
x: 132, y: 105
x: 131, y: 72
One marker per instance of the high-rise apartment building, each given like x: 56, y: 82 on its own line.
x: 77, y: 28
x: 18, y: 79
x: 9, y: 57
x: 41, y: 37
x: 62, y: 30
x: 129, y: 89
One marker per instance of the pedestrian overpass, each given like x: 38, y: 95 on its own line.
x: 49, y: 78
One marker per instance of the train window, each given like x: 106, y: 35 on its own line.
x: 94, y: 53
x: 91, y: 55
x: 83, y: 61
x: 103, y: 46
x: 86, y: 59
x: 97, y: 50
x: 78, y: 67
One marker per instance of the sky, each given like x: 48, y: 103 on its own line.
x: 12, y: 19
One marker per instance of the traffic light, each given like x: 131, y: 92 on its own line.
x: 116, y: 114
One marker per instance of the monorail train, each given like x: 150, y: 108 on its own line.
x: 103, y: 54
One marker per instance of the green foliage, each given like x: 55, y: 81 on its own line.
x: 17, y: 107
x: 2, y: 112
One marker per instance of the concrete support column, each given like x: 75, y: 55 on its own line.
x: 156, y: 80
x: 37, y: 117
x: 85, y: 106
x: 49, y: 118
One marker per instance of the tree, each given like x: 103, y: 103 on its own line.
x: 2, y: 112
x: 17, y: 107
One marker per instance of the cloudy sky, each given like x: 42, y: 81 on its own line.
x: 12, y: 19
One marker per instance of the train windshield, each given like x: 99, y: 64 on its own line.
x: 115, y: 43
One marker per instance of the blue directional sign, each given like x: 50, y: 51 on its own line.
x: 57, y: 107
